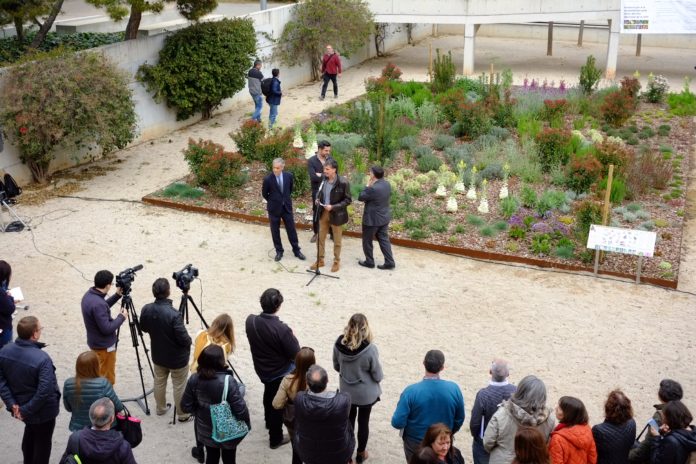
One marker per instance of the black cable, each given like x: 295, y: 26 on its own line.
x: 122, y: 200
x: 33, y: 240
x: 282, y: 265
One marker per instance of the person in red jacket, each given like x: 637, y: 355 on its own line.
x: 330, y: 68
x: 572, y: 441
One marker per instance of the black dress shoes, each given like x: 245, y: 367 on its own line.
x: 366, y: 264
x: 300, y: 256
x: 386, y: 267
x: 278, y: 256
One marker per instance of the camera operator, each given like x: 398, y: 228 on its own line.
x: 101, y: 327
x: 170, y: 344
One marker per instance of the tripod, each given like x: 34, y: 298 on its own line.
x: 5, y: 204
x: 135, y: 332
x: 317, y: 272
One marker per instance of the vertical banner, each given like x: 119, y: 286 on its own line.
x: 658, y: 16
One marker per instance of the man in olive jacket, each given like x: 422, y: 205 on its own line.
x: 171, y: 347
x: 333, y: 199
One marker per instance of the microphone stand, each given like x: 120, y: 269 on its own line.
x: 317, y: 272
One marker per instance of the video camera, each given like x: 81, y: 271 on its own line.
x: 184, y: 277
x: 125, y: 278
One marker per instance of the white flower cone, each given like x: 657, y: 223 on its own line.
x: 441, y: 191
x: 483, y: 206
x: 452, y: 205
x: 471, y: 194
x: 504, y: 193
x: 459, y: 187
x: 297, y: 142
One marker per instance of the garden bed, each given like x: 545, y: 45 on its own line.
x: 543, y: 221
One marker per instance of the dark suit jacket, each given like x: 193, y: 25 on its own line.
x: 340, y: 199
x: 278, y: 202
x: 376, y: 198
x: 314, y: 166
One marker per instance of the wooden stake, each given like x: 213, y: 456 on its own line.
x: 430, y: 63
x: 607, y: 203
x: 582, y: 30
x: 549, y: 43
x: 639, y: 44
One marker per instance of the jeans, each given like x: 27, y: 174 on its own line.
x: 410, y: 447
x: 329, y: 77
x: 273, y: 115
x: 480, y: 454
x: 212, y: 455
x: 363, y: 415
x: 179, y: 377
x: 37, y: 441
x: 258, y: 105
x: 273, y: 416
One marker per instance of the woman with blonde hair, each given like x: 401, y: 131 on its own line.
x: 85, y: 388
x: 356, y: 359
x: 294, y: 382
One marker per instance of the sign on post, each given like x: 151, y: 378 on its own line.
x: 618, y: 240
x: 658, y: 16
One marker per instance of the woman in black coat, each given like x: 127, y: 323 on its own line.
x: 205, y: 388
x: 677, y: 438
x: 614, y: 437
x: 7, y: 304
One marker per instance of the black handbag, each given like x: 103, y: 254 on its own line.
x: 130, y: 427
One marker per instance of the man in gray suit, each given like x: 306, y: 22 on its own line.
x: 376, y: 219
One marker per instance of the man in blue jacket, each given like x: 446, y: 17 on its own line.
x: 273, y: 99
x: 101, y: 327
x: 29, y: 389
x: 428, y: 402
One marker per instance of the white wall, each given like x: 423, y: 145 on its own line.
x: 155, y: 119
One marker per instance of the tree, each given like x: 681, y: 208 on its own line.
x: 346, y: 24
x: 20, y: 12
x: 79, y: 99
x: 201, y: 65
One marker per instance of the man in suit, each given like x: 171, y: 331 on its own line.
x: 315, y: 169
x: 333, y: 199
x: 376, y: 219
x: 277, y: 191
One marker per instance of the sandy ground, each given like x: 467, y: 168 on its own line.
x: 583, y: 336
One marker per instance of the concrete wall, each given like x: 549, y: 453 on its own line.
x: 155, y: 119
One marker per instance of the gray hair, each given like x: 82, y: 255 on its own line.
x: 280, y: 161
x: 102, y: 412
x: 317, y: 378
x: 499, y: 370
x: 530, y: 394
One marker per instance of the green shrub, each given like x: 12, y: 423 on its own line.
x: 473, y: 120
x: 12, y: 50
x: 631, y: 86
x: 588, y: 213
x: 408, y: 142
x: 565, y: 251
x: 583, y: 172
x: 517, y: 233
x: 683, y: 103
x: 664, y: 130
x: 247, y: 137
x: 332, y: 126
x: 182, y: 190
x: 657, y: 88
x: 360, y: 116
x: 541, y: 244
x: 492, y: 171
x: 499, y: 133
x: 554, y: 148
x: 474, y: 220
x: 276, y: 145
x: 428, y: 115
x: 201, y: 65
x: 442, y: 141
x: 617, y: 108
x: 610, y: 152
x: 470, y: 86
x: 589, y: 75
x: 214, y: 167
x: 429, y: 163
x: 509, y: 206
x: 528, y: 127
x: 381, y: 138
x: 76, y: 100
x: 443, y: 72
x: 487, y: 231
x: 554, y: 111
x: 528, y: 197
x: 422, y: 150
x: 301, y: 183
x: 402, y: 106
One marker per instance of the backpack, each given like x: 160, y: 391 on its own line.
x: 73, y: 444
x: 266, y: 85
x: 11, y: 187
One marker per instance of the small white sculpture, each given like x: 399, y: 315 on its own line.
x: 452, y: 205
x: 441, y: 191
x: 483, y: 205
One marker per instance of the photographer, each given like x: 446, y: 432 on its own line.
x: 170, y: 344
x: 101, y: 327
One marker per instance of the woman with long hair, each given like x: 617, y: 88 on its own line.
x: 356, y: 359
x: 615, y: 436
x: 294, y: 382
x: 204, y: 388
x: 7, y: 303
x: 525, y: 408
x: 530, y: 447
x: 677, y: 438
x: 439, y: 438
x: 85, y: 388
x: 572, y: 441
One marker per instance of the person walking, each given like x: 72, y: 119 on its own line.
x: 273, y: 99
x: 205, y: 388
x: 330, y: 69
x: 85, y: 388
x: 254, y: 78
x: 277, y: 191
x: 29, y: 389
x: 571, y: 441
x: 376, y: 217
x: 294, y: 382
x: 615, y: 437
x: 486, y: 404
x: 356, y: 359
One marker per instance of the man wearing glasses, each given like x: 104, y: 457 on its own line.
x: 29, y: 389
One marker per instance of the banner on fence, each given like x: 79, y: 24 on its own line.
x: 618, y: 240
x: 658, y: 16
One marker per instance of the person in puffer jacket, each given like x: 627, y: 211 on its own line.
x: 572, y: 441
x: 100, y: 444
x: 678, y: 438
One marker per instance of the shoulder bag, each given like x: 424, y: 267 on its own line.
x: 226, y: 426
x: 130, y: 427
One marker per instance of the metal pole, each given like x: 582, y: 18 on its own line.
x: 639, y: 44
x: 264, y: 5
x: 640, y: 266
x: 549, y: 45
x: 582, y: 30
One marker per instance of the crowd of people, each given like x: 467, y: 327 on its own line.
x: 508, y: 423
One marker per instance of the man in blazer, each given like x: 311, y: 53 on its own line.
x: 376, y: 219
x: 277, y: 191
x: 333, y: 199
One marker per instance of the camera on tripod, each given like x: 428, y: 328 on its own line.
x: 124, y: 279
x: 184, y: 277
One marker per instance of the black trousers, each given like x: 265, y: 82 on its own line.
x: 273, y: 416
x: 288, y: 219
x: 329, y: 77
x: 382, y: 234
x: 363, y: 415
x: 37, y: 441
x: 229, y: 456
